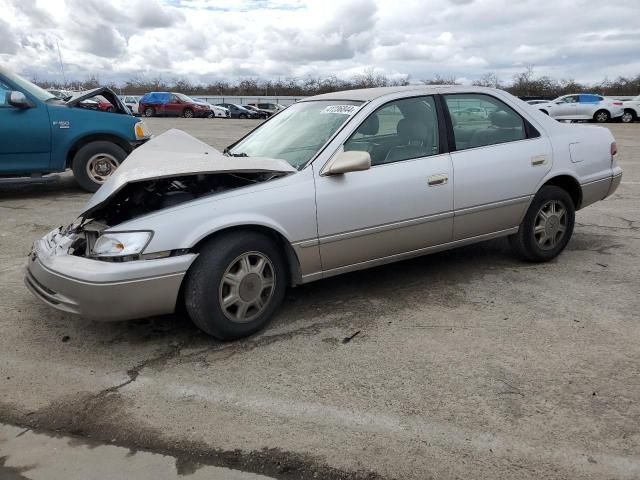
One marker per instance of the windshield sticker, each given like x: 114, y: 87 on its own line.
x: 341, y: 109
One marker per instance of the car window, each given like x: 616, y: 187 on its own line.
x: 400, y: 130
x: 479, y: 120
x: 4, y: 89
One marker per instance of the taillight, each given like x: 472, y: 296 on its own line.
x: 614, y: 148
x: 619, y: 104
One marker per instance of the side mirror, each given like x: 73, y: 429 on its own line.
x: 18, y: 100
x: 345, y: 162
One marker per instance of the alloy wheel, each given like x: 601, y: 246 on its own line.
x: 246, y: 287
x: 627, y: 117
x: 550, y: 224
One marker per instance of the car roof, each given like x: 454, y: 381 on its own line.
x: 368, y: 94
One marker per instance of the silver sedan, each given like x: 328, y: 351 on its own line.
x: 335, y: 183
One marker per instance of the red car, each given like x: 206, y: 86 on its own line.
x: 169, y: 104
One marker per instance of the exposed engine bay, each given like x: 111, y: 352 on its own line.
x: 143, y: 197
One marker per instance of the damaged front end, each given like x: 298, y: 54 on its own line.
x: 172, y: 169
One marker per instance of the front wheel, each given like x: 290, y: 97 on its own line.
x: 94, y: 163
x: 547, y: 225
x: 188, y: 113
x: 235, y: 285
x: 149, y: 112
x: 602, y: 116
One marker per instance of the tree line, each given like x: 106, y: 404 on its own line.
x: 522, y: 84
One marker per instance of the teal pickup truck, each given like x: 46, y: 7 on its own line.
x: 42, y: 134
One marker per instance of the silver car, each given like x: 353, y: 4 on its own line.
x: 335, y: 183
x: 582, y: 106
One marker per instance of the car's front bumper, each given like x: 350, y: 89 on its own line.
x: 105, y: 291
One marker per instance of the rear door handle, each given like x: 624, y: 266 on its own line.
x: 538, y: 160
x: 440, y: 179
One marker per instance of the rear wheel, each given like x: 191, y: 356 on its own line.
x: 628, y: 116
x: 235, y: 285
x: 149, y: 112
x: 94, y: 163
x: 210, y: 115
x: 547, y: 225
x: 188, y: 113
x: 601, y: 116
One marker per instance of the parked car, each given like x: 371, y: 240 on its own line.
x: 261, y: 113
x: 238, y: 111
x: 583, y: 106
x: 61, y: 94
x: 169, y: 104
x: 41, y: 134
x: 325, y: 187
x: 132, y: 102
x: 216, y: 111
x: 631, y: 110
x: 269, y: 107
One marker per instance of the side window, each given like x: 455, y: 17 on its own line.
x: 571, y: 99
x: 400, y: 130
x: 4, y: 89
x: 480, y: 120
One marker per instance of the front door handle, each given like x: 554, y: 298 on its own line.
x: 440, y: 179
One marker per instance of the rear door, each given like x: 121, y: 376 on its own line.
x: 498, y: 161
x: 25, y: 136
x: 588, y: 105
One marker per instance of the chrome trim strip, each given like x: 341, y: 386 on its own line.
x: 605, y: 179
x: 405, y: 255
x: 312, y: 242
x: 492, y: 205
x: 383, y: 228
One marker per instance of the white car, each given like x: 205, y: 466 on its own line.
x: 631, y: 110
x: 582, y: 106
x: 216, y: 110
x: 537, y: 102
x: 131, y: 101
x: 335, y: 183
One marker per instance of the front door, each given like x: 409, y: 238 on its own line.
x: 403, y: 203
x: 499, y: 162
x: 25, y: 136
x: 568, y: 109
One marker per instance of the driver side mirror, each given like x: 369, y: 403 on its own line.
x: 18, y: 100
x: 345, y: 162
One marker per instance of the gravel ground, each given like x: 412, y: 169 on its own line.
x: 466, y: 364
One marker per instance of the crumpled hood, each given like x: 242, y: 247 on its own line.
x: 176, y: 153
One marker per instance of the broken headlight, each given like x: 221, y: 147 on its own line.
x: 120, y: 244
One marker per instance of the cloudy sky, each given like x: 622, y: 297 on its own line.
x: 203, y: 40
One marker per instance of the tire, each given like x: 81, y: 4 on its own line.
x: 149, y: 112
x: 205, y: 285
x: 243, y: 116
x: 527, y: 243
x: 211, y: 115
x: 601, y: 116
x: 187, y: 113
x: 628, y: 116
x: 95, y: 162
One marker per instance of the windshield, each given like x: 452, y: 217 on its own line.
x: 297, y: 133
x: 184, y: 98
x: 34, y: 90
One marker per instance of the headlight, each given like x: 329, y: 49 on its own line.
x: 121, y: 244
x: 142, y: 131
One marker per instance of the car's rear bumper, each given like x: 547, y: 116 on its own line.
x: 105, y: 291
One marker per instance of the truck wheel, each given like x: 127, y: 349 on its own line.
x: 547, y: 225
x: 188, y: 113
x: 95, y: 162
x: 601, y: 116
x: 235, y: 285
x: 149, y: 112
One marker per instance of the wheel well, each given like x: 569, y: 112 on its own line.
x: 544, y: 111
x: 570, y: 185
x: 96, y: 138
x: 290, y: 257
